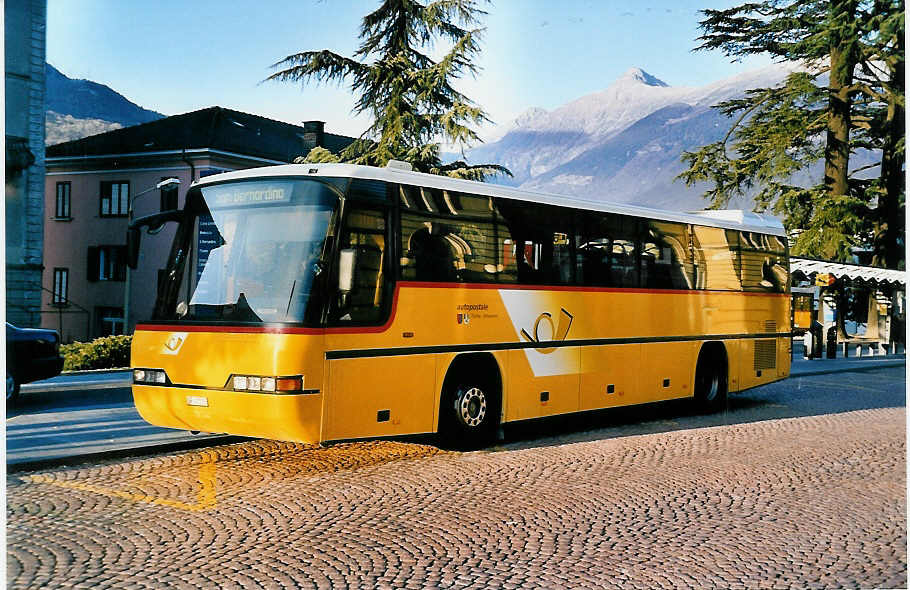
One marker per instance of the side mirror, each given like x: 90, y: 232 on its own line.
x: 346, y: 260
x: 133, y: 238
x: 169, y: 196
x: 153, y: 222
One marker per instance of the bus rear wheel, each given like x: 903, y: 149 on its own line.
x: 469, y: 415
x: 711, y: 380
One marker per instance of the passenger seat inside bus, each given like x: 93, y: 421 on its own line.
x: 365, y: 299
x: 432, y: 257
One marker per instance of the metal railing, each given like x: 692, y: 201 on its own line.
x: 61, y: 310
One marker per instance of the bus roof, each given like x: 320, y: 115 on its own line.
x: 729, y: 219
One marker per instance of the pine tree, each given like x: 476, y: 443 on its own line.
x: 849, y: 96
x: 410, y: 97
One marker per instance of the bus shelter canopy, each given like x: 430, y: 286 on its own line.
x: 854, y: 272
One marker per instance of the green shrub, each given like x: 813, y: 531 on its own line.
x: 110, y: 352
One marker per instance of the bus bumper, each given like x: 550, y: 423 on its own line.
x: 295, y: 418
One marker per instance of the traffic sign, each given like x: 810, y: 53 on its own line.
x: 824, y: 279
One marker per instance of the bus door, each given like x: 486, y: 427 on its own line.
x: 373, y: 390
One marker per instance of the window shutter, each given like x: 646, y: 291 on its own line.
x: 93, y: 263
x: 119, y: 263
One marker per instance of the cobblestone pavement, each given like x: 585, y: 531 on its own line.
x: 815, y: 502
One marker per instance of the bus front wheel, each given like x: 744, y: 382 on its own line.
x: 711, y: 379
x: 469, y: 415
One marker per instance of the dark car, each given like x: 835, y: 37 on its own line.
x: 31, y: 354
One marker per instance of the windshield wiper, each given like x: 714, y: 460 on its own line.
x: 287, y: 312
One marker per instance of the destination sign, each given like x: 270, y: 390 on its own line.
x: 238, y: 195
x: 209, y: 238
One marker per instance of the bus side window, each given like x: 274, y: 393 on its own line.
x: 428, y: 254
x: 540, y: 242
x: 448, y: 236
x: 507, y: 260
x: 607, y: 246
x: 764, y: 262
x: 472, y: 237
x: 364, y: 233
x: 717, y: 258
x: 667, y: 261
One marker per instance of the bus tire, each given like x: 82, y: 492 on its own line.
x: 711, y: 378
x: 469, y: 411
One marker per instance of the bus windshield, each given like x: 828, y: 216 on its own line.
x: 250, y: 252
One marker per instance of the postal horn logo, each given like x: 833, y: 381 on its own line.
x: 174, y: 342
x: 551, y: 332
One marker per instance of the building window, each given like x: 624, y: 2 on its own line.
x: 210, y: 172
x: 110, y: 320
x: 107, y: 263
x: 61, y: 286
x: 168, y: 195
x: 115, y: 199
x: 63, y: 200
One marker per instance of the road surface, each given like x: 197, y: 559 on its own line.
x: 799, y: 484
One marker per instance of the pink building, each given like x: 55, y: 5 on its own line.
x: 91, y: 182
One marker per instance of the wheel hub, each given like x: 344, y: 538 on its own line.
x: 471, y: 407
x: 713, y: 388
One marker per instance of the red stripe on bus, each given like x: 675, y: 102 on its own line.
x: 510, y: 287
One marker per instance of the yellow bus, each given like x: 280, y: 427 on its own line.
x: 326, y: 302
x: 803, y: 308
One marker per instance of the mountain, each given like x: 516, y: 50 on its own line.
x: 622, y: 144
x: 78, y: 108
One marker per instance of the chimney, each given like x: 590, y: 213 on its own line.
x: 313, y: 134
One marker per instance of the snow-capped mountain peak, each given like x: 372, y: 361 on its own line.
x: 633, y: 95
x: 622, y: 143
x: 602, y: 114
x: 639, y: 76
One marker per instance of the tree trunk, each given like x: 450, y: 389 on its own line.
x: 890, y: 219
x: 837, y: 147
x: 843, y: 44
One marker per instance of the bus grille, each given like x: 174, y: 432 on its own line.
x: 770, y: 327
x: 765, y: 354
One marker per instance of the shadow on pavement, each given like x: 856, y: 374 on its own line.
x: 90, y: 432
x: 30, y: 402
x: 792, y: 398
x: 53, y: 420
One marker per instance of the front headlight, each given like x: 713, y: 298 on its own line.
x: 268, y: 384
x: 149, y: 377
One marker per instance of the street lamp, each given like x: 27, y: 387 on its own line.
x: 126, y: 289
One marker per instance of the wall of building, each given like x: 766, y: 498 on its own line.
x: 67, y: 241
x: 25, y: 24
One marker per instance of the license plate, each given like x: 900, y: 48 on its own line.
x: 197, y: 400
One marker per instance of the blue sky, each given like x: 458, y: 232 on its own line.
x: 175, y: 56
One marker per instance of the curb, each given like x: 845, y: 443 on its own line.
x: 42, y: 386
x: 76, y: 460
x: 95, y: 371
x: 859, y: 369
